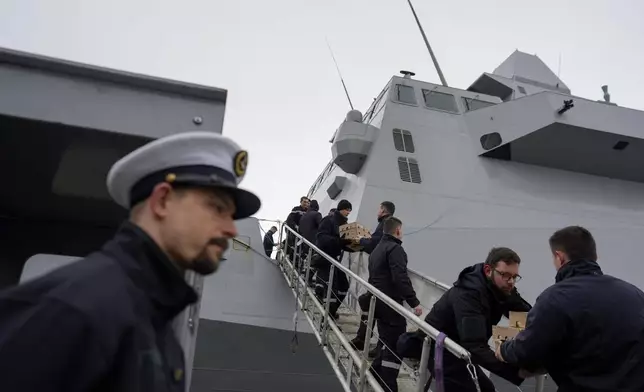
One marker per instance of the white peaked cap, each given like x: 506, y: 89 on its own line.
x: 204, y: 159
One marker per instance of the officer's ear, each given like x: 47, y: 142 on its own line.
x: 159, y: 199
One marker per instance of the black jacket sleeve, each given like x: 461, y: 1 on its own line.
x: 48, y: 346
x: 369, y: 244
x: 472, y: 330
x: 326, y: 238
x: 546, y: 328
x: 398, y: 267
x: 516, y: 303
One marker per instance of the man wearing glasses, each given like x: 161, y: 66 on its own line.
x: 466, y: 313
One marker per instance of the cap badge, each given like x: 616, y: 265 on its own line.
x: 240, y: 163
x: 170, y: 178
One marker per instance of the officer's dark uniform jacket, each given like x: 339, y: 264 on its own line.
x: 587, y: 331
x: 467, y: 312
x: 328, y: 235
x: 388, y: 272
x: 101, y: 324
x: 369, y: 244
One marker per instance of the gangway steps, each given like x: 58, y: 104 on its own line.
x: 347, y: 325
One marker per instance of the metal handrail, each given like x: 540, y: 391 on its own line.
x: 430, y: 280
x: 452, y: 346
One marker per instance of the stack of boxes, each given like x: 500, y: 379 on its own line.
x: 354, y: 231
x: 517, y: 324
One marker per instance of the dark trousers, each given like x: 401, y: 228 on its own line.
x: 456, y: 378
x: 268, y: 252
x: 339, y: 287
x: 386, y: 365
x: 364, y: 301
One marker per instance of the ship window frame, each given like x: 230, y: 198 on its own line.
x: 406, y: 146
x: 396, y: 94
x: 522, y: 90
x: 466, y: 105
x: 408, y: 162
x: 427, y: 93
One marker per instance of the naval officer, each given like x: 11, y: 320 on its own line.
x: 104, y: 323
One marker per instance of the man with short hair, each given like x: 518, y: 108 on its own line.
x: 309, y: 225
x: 269, y: 241
x: 466, y: 313
x: 105, y: 323
x: 388, y: 273
x: 586, y: 330
x: 293, y: 221
x: 385, y: 210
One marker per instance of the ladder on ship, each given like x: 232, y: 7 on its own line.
x: 352, y: 367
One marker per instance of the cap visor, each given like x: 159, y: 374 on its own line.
x: 246, y: 202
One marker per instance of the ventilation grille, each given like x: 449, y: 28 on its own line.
x: 409, y: 170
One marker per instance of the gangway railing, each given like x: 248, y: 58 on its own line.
x: 351, y: 367
x: 337, y: 348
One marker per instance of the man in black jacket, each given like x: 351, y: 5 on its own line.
x: 385, y: 210
x: 586, y: 330
x: 293, y: 221
x: 466, y: 313
x: 104, y: 323
x: 310, y: 223
x: 388, y: 273
x: 269, y: 241
x: 329, y: 241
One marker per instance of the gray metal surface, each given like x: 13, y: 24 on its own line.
x: 85, y: 96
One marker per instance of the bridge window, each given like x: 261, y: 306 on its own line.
x: 475, y: 104
x: 521, y: 89
x: 403, y: 141
x: 440, y: 101
x: 409, y: 170
x: 405, y: 94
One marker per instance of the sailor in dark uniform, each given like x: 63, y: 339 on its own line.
x: 104, y: 323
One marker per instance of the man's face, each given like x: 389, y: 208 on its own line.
x: 196, y: 225
x: 345, y: 213
x: 381, y: 211
x: 504, y: 276
x: 305, y: 203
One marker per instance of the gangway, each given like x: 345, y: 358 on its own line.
x: 334, y: 336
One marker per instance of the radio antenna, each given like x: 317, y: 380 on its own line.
x: 339, y: 73
x: 429, y: 48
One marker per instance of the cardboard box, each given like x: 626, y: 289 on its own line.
x: 354, y: 231
x: 517, y: 324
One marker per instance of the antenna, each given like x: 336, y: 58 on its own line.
x: 559, y: 70
x: 339, y: 73
x: 429, y: 48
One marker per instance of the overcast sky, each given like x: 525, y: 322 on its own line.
x: 284, y: 97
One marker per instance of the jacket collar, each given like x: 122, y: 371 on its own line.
x: 382, y: 218
x: 151, y: 271
x: 339, y: 218
x: 578, y: 268
x: 391, y: 238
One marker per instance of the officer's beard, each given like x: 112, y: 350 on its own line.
x: 203, y: 265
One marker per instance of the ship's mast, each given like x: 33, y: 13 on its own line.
x: 429, y: 48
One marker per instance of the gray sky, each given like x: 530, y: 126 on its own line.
x: 285, y: 99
